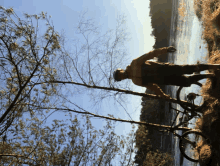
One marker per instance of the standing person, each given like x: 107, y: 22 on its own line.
x: 150, y: 74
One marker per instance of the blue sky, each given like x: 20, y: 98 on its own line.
x: 65, y: 15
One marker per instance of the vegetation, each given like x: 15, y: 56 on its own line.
x: 65, y: 144
x: 160, y: 12
x: 40, y: 76
x: 148, y: 152
x: 35, y: 72
x: 208, y: 12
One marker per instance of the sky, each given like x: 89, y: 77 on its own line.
x: 65, y: 15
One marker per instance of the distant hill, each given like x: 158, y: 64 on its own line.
x: 153, y: 111
x: 160, y: 12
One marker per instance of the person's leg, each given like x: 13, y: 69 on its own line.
x: 176, y: 80
x: 190, y: 69
x: 202, y: 67
x: 185, y: 81
x: 196, y: 78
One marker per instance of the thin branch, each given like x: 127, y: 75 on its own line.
x: 120, y: 120
x: 15, y: 155
x: 25, y: 84
x: 123, y: 91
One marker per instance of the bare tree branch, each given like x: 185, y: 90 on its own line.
x: 121, y: 90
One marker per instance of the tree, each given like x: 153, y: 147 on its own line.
x: 39, y: 74
x: 79, y: 145
x: 36, y: 68
x: 30, y: 63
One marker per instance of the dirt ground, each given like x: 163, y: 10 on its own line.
x: 208, y: 11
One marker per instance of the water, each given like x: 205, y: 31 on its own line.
x: 186, y: 35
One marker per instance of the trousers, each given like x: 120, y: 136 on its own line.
x: 171, y: 74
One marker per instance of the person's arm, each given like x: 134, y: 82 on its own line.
x: 152, y: 54
x: 158, y: 91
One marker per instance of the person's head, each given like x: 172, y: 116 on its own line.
x: 119, y: 74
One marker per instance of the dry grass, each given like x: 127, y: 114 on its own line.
x: 208, y: 12
x: 198, y: 8
x: 179, y: 29
x: 209, y: 19
x: 182, y: 10
x: 205, y: 154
